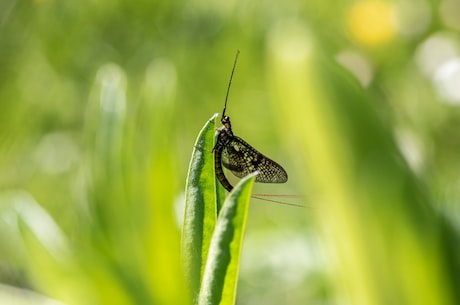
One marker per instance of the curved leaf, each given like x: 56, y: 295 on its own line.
x: 221, y: 272
x: 200, y: 207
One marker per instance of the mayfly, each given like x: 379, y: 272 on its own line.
x: 241, y: 158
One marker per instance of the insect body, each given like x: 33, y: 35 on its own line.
x: 239, y: 157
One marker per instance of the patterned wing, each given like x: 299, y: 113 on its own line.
x: 241, y: 159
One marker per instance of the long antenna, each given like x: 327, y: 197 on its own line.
x: 230, y: 82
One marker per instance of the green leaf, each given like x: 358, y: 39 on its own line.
x: 221, y: 272
x: 200, y: 207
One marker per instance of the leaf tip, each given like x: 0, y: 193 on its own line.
x: 214, y: 116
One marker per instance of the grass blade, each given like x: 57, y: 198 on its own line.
x: 221, y: 272
x: 200, y: 207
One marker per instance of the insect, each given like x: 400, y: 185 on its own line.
x: 239, y: 157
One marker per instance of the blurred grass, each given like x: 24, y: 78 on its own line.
x: 376, y: 200
x: 100, y: 104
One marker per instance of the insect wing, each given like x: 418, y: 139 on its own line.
x: 241, y: 159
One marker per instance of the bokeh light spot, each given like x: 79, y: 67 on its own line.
x: 447, y: 81
x: 371, y: 22
x: 450, y: 13
x: 357, y: 64
x: 413, y: 17
x: 434, y: 52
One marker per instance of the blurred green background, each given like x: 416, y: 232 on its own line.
x: 100, y: 104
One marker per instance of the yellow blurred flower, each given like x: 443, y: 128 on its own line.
x: 371, y: 22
